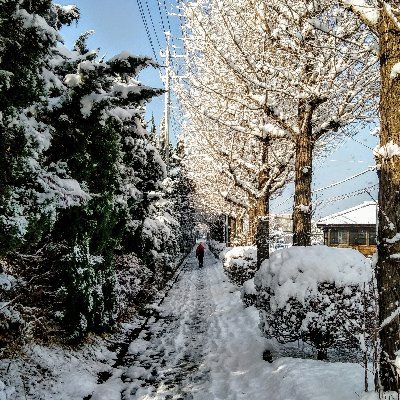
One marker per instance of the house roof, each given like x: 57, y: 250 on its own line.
x: 363, y: 214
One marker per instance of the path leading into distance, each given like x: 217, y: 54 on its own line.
x: 201, y: 345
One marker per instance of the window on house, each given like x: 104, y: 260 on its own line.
x: 372, y: 237
x: 358, y: 237
x: 338, y: 237
x: 342, y: 237
x: 333, y: 237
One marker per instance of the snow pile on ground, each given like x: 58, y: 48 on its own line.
x: 54, y: 373
x: 317, y: 294
x: 240, y: 263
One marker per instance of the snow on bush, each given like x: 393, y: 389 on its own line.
x: 216, y: 247
x: 134, y: 281
x: 315, y: 294
x: 10, y: 319
x: 248, y: 293
x: 240, y: 263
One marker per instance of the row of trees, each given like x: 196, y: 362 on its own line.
x: 267, y: 87
x: 81, y: 180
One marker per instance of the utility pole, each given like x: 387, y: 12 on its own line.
x: 167, y: 98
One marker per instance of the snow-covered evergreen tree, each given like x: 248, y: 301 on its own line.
x: 81, y: 175
x: 98, y: 119
x: 28, y: 33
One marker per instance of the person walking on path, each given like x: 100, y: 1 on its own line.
x: 200, y: 254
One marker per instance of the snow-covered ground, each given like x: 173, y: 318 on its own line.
x: 200, y: 344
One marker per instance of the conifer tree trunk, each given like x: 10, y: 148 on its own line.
x: 303, y: 177
x: 388, y: 267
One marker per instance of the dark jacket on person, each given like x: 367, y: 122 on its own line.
x: 200, y: 251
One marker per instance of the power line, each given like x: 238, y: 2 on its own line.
x: 369, y: 169
x: 346, y: 195
x: 146, y: 27
x: 168, y: 21
x: 152, y: 23
x: 161, y: 16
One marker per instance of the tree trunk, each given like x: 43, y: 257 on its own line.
x: 239, y: 231
x: 232, y: 231
x: 322, y: 354
x: 251, y: 234
x: 303, y: 176
x: 388, y: 267
x: 262, y: 235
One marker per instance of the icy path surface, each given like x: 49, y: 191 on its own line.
x: 200, y: 344
x: 197, y: 327
x: 204, y: 345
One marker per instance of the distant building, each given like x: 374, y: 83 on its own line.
x: 354, y: 228
x: 280, y: 231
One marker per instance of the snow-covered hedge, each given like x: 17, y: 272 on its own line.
x: 134, y: 279
x: 240, y: 263
x: 317, y: 294
x: 248, y: 293
x: 10, y: 319
x: 216, y: 247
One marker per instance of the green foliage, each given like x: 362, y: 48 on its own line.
x: 81, y: 180
x: 25, y: 44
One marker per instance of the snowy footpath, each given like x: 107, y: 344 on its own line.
x: 201, y: 343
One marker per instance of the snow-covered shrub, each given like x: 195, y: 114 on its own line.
x: 216, y: 247
x: 89, y: 291
x: 315, y: 294
x: 11, y: 322
x: 82, y: 180
x: 159, y: 240
x: 135, y: 282
x: 100, y: 137
x: 240, y: 263
x: 248, y: 293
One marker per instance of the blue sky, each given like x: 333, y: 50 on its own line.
x: 118, y: 26
x: 352, y: 157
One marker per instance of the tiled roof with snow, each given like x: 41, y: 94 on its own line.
x: 363, y: 214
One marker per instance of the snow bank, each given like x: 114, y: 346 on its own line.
x: 54, y: 372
